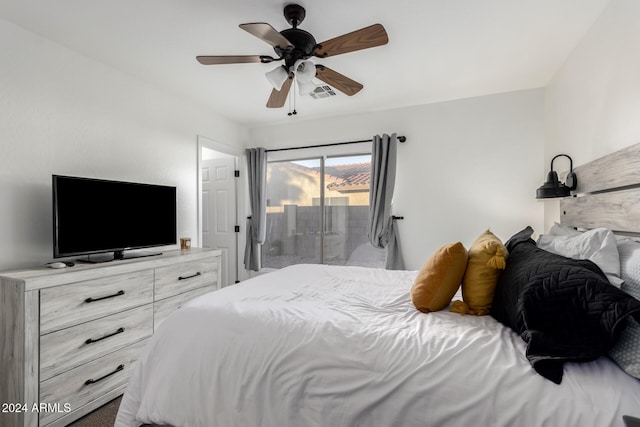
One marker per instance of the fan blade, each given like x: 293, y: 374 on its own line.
x: 278, y: 97
x: 337, y: 80
x: 237, y: 59
x: 364, y: 38
x: 268, y: 34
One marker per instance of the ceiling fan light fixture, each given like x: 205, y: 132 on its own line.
x: 277, y: 77
x: 305, y: 70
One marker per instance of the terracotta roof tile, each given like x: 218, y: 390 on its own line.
x: 353, y: 176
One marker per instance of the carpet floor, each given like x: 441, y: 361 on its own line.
x: 104, y: 416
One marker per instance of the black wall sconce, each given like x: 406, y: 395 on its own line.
x: 553, y: 187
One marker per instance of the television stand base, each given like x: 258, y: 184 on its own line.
x: 139, y: 255
x: 117, y: 256
x: 96, y: 260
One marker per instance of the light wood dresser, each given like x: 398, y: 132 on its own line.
x: 70, y: 337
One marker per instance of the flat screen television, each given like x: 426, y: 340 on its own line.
x: 93, y: 216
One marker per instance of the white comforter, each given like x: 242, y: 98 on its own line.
x: 314, y: 345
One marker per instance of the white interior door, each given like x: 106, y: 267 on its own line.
x: 219, y: 218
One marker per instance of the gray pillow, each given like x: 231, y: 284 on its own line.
x: 626, y: 350
x: 629, y: 252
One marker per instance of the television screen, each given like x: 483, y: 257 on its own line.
x: 93, y: 215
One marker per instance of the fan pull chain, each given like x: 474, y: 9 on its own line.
x: 294, y: 99
x: 292, y: 95
x: 289, y: 101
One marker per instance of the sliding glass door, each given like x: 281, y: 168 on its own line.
x: 293, y: 217
x: 317, y: 212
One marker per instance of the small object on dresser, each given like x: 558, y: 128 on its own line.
x: 185, y: 243
x: 57, y: 264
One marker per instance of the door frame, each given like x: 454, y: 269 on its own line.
x: 205, y: 142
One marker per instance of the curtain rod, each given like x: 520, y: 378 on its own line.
x: 400, y: 138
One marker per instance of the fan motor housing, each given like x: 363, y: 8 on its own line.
x: 304, y: 45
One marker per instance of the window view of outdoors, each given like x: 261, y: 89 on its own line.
x: 308, y: 222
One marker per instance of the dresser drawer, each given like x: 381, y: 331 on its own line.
x: 67, y: 348
x: 85, y: 383
x: 68, y: 305
x: 163, y: 308
x: 179, y: 278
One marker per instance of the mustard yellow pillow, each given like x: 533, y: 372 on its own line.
x: 439, y: 278
x: 487, y: 257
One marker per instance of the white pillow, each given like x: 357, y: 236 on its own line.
x: 563, y: 230
x: 597, y: 245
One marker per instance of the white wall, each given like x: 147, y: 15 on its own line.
x: 467, y: 165
x: 63, y: 113
x: 593, y: 102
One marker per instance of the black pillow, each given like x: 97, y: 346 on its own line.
x: 564, y: 309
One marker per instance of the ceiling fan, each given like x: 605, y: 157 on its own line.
x: 295, y: 46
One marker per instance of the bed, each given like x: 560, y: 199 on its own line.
x: 317, y: 345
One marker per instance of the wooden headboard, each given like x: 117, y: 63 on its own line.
x: 608, y: 194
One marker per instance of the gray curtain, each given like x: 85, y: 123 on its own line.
x: 256, y: 223
x: 381, y: 227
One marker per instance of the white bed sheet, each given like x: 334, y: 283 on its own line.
x: 314, y: 345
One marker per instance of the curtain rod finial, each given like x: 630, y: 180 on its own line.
x: 402, y: 138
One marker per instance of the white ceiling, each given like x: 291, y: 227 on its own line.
x: 438, y: 49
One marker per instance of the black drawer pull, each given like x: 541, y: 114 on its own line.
x: 190, y: 277
x: 117, y: 294
x: 92, y: 340
x: 118, y: 369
